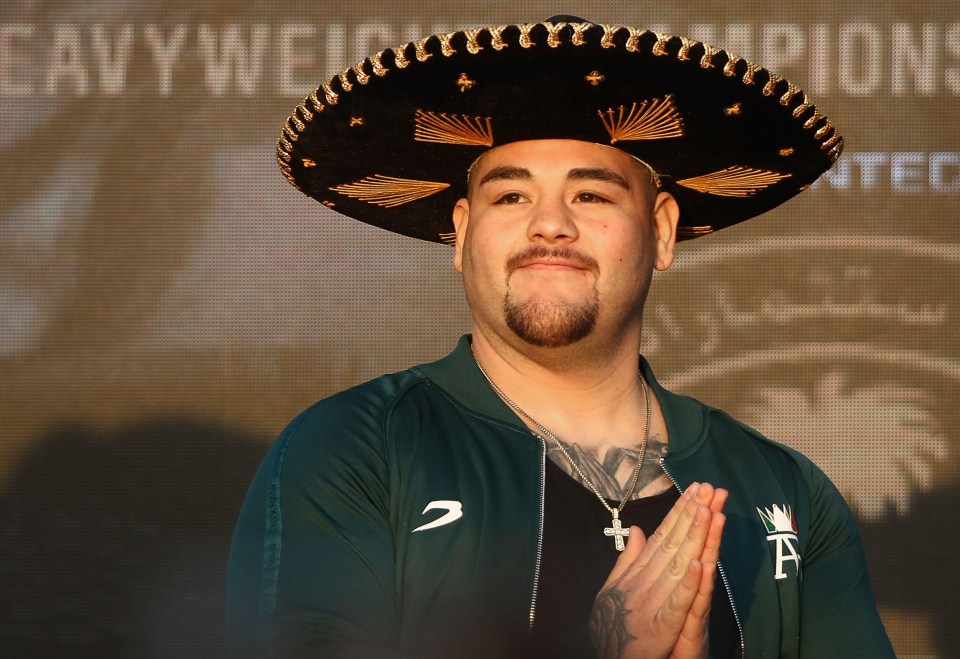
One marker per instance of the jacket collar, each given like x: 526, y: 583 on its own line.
x: 459, y: 375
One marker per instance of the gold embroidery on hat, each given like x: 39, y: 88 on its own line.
x: 304, y: 111
x: 389, y: 191
x: 465, y: 83
x: 752, y: 70
x: 733, y: 110
x: 299, y: 125
x: 284, y: 144
x: 792, y: 91
x: 786, y: 152
x: 331, y: 96
x: 525, y: 41
x: 814, y: 119
x: 653, y: 119
x: 399, y: 58
x: 660, y: 47
x: 362, y: 76
x: 633, y: 41
x: 290, y: 135
x: 771, y: 85
x: 803, y: 107
x: 283, y: 154
x: 328, y: 204
x: 685, y: 45
x: 694, y: 232
x: 344, y: 81
x: 315, y: 100
x: 835, y: 152
x: 421, y: 49
x: 578, y: 31
x: 473, y: 46
x: 729, y: 69
x: 289, y: 176
x: 823, y: 132
x: 446, y: 128
x: 831, y: 142
x: 496, y: 37
x: 379, y: 69
x: 553, y: 33
x: 356, y: 121
x: 736, y: 181
x: 594, y: 78
x: 706, y: 62
x: 285, y: 168
x: 445, y: 48
x: 309, y: 162
x: 609, y: 32
x: 448, y: 238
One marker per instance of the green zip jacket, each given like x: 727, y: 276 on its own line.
x: 403, y: 517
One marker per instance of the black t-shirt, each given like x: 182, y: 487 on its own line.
x: 577, y: 558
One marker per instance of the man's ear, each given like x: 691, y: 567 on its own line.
x: 461, y: 217
x: 666, y: 215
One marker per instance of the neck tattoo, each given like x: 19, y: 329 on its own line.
x: 616, y: 529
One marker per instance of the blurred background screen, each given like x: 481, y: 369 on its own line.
x: 168, y: 302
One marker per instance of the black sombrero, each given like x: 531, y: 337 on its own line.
x: 389, y: 141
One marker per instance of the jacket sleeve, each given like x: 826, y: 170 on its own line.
x: 838, y: 615
x: 311, y: 570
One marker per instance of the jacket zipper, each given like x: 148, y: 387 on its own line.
x: 536, y: 569
x: 723, y: 575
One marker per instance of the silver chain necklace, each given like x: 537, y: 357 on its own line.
x: 616, y: 528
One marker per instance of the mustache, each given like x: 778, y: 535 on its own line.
x: 537, y: 252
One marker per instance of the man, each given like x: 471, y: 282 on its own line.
x: 536, y: 492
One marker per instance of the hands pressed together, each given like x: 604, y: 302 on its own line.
x: 656, y: 601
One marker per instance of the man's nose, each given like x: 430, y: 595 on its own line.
x: 552, y: 221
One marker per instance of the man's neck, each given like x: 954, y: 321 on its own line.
x: 596, y: 410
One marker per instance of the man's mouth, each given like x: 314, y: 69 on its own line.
x: 558, y: 259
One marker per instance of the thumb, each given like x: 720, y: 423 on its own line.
x: 635, y: 544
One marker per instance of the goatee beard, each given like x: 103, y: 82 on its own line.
x: 551, y: 324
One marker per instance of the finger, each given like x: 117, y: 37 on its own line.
x: 667, y: 525
x: 720, y: 496
x: 675, y: 609
x: 635, y: 543
x: 711, y: 546
x: 683, y: 542
x: 690, y: 548
x: 700, y: 608
x: 694, y: 635
x: 704, y: 494
x: 714, y: 497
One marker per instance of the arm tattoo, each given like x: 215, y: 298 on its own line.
x: 607, y: 627
x: 612, y: 472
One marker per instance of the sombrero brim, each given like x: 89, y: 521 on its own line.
x: 389, y: 141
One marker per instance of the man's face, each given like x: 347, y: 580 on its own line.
x: 558, y: 240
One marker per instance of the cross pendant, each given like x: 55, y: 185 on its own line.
x: 617, y: 531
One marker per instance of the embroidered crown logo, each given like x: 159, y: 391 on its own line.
x: 779, y: 520
x: 782, y: 531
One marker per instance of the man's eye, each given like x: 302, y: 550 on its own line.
x: 590, y: 198
x: 510, y: 198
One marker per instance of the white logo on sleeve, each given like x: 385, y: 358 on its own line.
x: 454, y: 512
x: 782, y: 530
